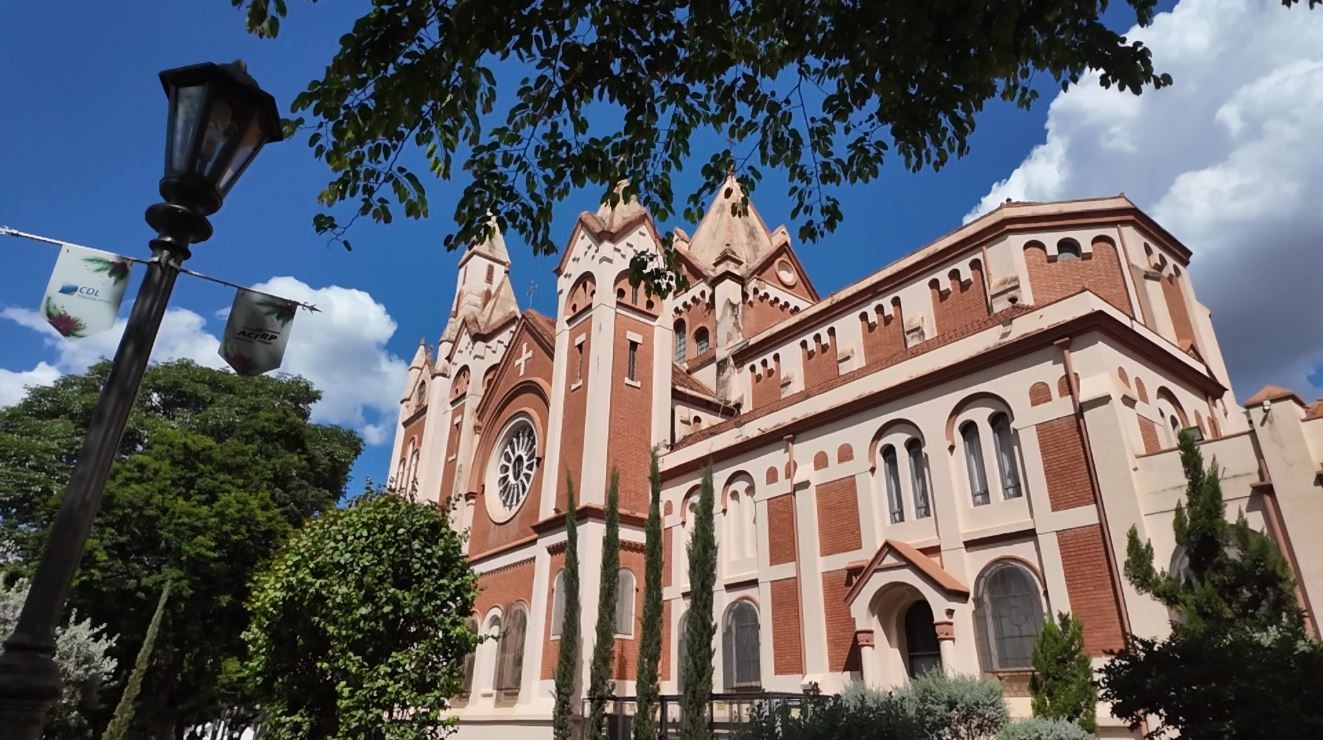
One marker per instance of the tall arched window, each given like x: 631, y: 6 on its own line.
x: 510, y: 655
x: 413, y: 471
x: 1009, y: 615
x: 557, y: 603
x: 681, y: 341
x: 701, y: 341
x: 625, y: 603
x: 466, y: 675
x: 739, y: 647
x: 918, y: 479
x: 422, y: 394
x: 978, y: 478
x: 891, y: 472
x: 922, y: 651
x: 1010, y: 472
x: 740, y: 535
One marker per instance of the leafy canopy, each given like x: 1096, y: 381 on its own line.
x: 213, y: 473
x: 360, y: 626
x: 823, y: 92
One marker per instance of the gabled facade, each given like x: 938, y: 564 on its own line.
x: 910, y: 472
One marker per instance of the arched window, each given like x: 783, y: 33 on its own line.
x: 422, y: 394
x: 891, y: 472
x: 510, y: 655
x: 739, y: 647
x: 918, y: 479
x: 680, y: 642
x: 487, y: 658
x: 1010, y: 472
x: 1179, y: 568
x: 922, y: 651
x: 625, y: 603
x: 412, y: 480
x: 680, y: 342
x: 466, y: 675
x: 978, y: 478
x: 1010, y: 616
x: 557, y: 604
x: 741, y: 533
x: 1068, y: 249
x: 700, y: 341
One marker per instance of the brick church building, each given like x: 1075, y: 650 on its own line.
x: 910, y: 473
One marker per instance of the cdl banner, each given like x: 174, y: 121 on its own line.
x: 85, y: 291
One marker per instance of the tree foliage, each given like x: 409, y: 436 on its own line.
x: 697, y: 659
x: 823, y: 92
x: 213, y: 473
x: 1238, y: 662
x: 1062, y: 685
x: 646, y: 687
x: 360, y: 625
x: 82, y: 654
x: 567, y: 657
x: 601, y: 673
x: 121, y: 722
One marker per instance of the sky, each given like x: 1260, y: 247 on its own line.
x: 1228, y: 159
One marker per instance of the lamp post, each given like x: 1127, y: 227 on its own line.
x: 218, y: 121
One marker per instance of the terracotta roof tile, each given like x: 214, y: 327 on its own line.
x: 544, y: 327
x: 928, y: 567
x: 682, y: 379
x: 1272, y: 393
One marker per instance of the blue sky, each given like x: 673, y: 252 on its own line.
x: 83, y: 121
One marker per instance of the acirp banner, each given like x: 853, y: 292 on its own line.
x: 85, y: 291
x: 257, y: 332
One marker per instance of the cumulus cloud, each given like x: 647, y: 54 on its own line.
x: 1228, y: 159
x: 341, y: 350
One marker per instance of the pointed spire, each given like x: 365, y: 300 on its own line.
x: 745, y: 235
x: 421, y: 358
x: 614, y: 217
x: 493, y: 247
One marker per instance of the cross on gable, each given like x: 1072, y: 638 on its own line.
x: 524, y: 357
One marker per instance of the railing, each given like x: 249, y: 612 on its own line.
x: 727, y: 713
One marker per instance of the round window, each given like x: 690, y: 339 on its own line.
x: 785, y: 273
x: 510, y: 473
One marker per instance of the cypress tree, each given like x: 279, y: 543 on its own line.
x: 696, y: 663
x: 567, y: 657
x: 600, y: 674
x: 1062, y: 685
x: 646, y: 688
x: 122, y: 720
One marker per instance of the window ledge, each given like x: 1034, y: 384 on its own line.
x: 577, y: 385
x: 633, y: 383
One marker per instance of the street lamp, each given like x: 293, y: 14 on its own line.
x: 219, y: 120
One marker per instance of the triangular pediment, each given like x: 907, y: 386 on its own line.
x: 528, y: 357
x: 901, y: 554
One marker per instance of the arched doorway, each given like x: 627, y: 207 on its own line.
x: 923, y: 653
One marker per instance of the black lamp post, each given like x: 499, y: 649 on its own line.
x: 219, y: 120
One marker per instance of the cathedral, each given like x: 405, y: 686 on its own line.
x: 911, y: 473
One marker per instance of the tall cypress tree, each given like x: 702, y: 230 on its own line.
x: 567, y: 657
x: 122, y: 720
x: 696, y: 663
x: 1062, y: 685
x: 600, y: 674
x: 646, y: 689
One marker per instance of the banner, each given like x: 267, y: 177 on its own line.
x: 257, y: 332
x: 85, y: 291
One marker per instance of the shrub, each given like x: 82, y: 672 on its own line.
x: 1040, y: 728
x: 865, y: 715
x: 1062, y: 684
x: 956, y: 707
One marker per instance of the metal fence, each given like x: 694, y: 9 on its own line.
x: 727, y: 713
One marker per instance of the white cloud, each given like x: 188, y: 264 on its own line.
x: 1228, y: 159
x: 341, y: 350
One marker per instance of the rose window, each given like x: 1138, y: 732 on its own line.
x: 515, y: 466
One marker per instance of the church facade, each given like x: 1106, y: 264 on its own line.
x: 910, y: 473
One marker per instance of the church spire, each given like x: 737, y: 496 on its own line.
x: 744, y: 235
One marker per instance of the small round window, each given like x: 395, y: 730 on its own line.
x: 510, y: 472
x: 786, y: 273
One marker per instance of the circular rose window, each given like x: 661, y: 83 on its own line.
x: 785, y: 273
x: 510, y: 474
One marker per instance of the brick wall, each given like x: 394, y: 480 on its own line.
x: 1180, y: 314
x: 759, y: 313
x: 1148, y: 431
x: 781, y: 529
x: 842, y: 654
x: 820, y: 363
x: 767, y: 383
x: 1039, y: 394
x: 667, y: 536
x: 631, y: 414
x: 575, y: 413
x: 504, y: 586
x: 1092, y: 599
x: 551, y: 649
x: 487, y: 534
x: 787, y: 631
x: 698, y: 315
x: 886, y: 337
x: 664, y: 667
x: 960, y: 302
x: 838, y: 516
x: 1099, y: 271
x: 1064, y: 466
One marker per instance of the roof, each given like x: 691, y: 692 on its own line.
x: 623, y: 213
x: 543, y: 327
x: 682, y: 379
x: 910, y: 555
x: 745, y: 235
x: 1315, y: 410
x: 1273, y: 393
